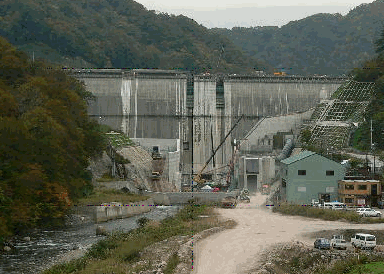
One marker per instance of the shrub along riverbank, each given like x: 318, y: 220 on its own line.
x: 125, y: 252
x: 324, y: 214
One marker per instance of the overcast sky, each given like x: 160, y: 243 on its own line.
x: 246, y: 13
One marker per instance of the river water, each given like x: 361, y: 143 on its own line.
x: 47, y: 245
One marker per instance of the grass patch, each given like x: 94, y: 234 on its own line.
x: 122, y: 250
x: 172, y: 264
x: 103, y: 195
x: 324, y: 214
x: 118, y: 139
x: 69, y: 267
x: 370, y: 268
x: 102, y: 249
x: 364, y: 264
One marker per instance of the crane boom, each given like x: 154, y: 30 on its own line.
x: 198, y: 176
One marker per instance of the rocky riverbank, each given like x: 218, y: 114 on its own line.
x: 50, y: 247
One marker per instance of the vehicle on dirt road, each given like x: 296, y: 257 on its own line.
x: 322, y: 243
x: 363, y: 241
x: 229, y: 201
x: 368, y: 212
x: 244, y: 196
x: 338, y: 242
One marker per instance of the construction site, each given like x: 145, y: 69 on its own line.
x: 226, y: 132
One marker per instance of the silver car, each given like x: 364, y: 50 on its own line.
x: 338, y: 242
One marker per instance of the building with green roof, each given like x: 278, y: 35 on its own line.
x: 308, y: 176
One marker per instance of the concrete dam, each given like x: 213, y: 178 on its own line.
x: 198, y: 110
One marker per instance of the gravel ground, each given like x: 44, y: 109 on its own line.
x: 238, y: 250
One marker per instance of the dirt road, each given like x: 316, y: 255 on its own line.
x: 238, y: 250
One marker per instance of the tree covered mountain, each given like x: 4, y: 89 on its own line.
x: 117, y: 34
x: 329, y: 44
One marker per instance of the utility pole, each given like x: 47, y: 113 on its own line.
x: 245, y: 173
x: 371, y: 135
x: 372, y: 150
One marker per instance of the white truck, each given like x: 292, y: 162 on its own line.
x: 363, y: 241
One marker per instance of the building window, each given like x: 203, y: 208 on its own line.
x: 362, y: 187
x: 330, y: 173
x: 348, y: 200
x: 302, y: 172
x: 283, y: 183
x: 349, y: 187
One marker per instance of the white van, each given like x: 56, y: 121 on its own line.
x: 339, y: 206
x: 364, y: 241
x: 335, y: 206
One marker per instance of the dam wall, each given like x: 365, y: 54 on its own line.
x: 199, y: 110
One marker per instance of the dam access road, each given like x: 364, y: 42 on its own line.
x: 239, y: 250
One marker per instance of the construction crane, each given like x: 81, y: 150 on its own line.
x: 198, y: 178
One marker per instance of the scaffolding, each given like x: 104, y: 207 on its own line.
x: 333, y: 120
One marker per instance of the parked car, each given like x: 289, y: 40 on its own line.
x: 322, y: 243
x: 368, y: 212
x: 338, y: 242
x: 364, y: 241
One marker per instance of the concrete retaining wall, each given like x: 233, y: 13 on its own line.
x: 176, y: 198
x: 114, y: 210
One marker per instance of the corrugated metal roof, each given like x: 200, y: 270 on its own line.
x: 297, y: 157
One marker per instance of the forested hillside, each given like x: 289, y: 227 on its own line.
x: 117, y: 34
x: 46, y: 142
x: 327, y: 44
x: 373, y: 71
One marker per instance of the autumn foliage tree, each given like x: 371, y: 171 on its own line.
x: 47, y: 139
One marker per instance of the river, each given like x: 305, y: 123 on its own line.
x: 46, y: 246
